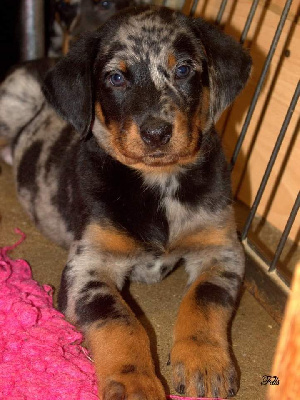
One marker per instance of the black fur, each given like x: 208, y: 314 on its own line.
x: 131, y: 177
x: 207, y: 293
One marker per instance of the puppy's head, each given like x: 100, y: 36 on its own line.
x: 148, y: 84
x: 92, y: 13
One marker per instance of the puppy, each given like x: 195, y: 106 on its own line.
x: 70, y: 18
x: 131, y: 177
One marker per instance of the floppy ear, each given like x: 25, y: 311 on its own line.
x: 229, y: 65
x: 68, y: 86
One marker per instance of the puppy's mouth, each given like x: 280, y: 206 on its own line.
x: 157, y: 154
x: 131, y: 150
x: 159, y: 158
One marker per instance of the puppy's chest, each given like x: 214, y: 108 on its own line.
x: 170, y: 217
x: 170, y: 220
x: 154, y: 221
x: 160, y: 257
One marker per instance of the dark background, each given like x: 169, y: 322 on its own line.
x: 10, y: 33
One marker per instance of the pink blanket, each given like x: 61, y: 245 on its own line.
x: 40, y: 352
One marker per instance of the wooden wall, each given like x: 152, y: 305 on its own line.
x: 271, y: 109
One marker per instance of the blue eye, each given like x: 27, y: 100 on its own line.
x: 106, y: 5
x: 182, y: 71
x: 117, y: 79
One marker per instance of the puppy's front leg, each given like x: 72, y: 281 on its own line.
x: 201, y: 357
x: 120, y: 348
x: 90, y: 298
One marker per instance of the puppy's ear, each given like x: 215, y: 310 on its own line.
x: 69, y: 85
x: 229, y: 65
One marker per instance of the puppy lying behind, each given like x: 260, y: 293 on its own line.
x: 70, y: 18
x: 132, y: 178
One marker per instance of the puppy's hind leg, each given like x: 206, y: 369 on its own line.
x: 90, y: 298
x: 20, y: 100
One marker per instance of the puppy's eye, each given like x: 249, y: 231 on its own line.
x: 106, y: 5
x: 182, y: 71
x: 117, y: 79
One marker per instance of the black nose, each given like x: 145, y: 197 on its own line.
x: 156, y: 132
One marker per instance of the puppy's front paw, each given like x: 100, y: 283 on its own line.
x: 133, y: 386
x: 123, y: 362
x: 203, y: 369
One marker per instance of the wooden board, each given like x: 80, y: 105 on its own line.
x: 271, y: 109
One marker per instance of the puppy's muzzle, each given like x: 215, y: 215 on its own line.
x: 156, y: 132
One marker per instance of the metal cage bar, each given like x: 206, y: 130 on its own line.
x: 271, y: 291
x: 33, y: 29
x: 242, y: 40
x: 221, y: 11
x: 271, y: 161
x: 249, y: 21
x: 261, y: 82
x: 285, y: 233
x: 194, y: 7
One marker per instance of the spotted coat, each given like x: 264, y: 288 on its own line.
x: 117, y: 158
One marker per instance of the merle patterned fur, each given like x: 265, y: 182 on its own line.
x: 117, y: 158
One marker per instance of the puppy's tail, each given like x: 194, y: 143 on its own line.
x: 20, y: 100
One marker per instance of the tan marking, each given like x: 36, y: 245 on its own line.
x: 180, y: 125
x: 128, y: 147
x: 148, y: 169
x: 206, y: 237
x: 212, y: 321
x: 114, y: 130
x: 115, y: 345
x: 66, y: 33
x: 99, y: 113
x: 122, y: 66
x: 171, y: 61
x: 110, y: 239
x: 125, y: 140
x: 133, y: 140
x: 204, y: 119
x: 208, y: 354
x: 66, y: 42
x: 185, y: 142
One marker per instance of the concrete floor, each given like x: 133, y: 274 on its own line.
x: 254, y: 332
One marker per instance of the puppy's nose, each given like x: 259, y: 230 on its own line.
x: 156, y: 132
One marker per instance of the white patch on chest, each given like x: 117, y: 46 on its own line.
x: 181, y: 218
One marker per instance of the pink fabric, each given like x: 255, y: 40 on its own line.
x: 40, y: 352
x: 190, y: 398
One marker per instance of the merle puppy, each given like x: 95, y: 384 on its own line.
x: 70, y: 18
x: 131, y: 177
